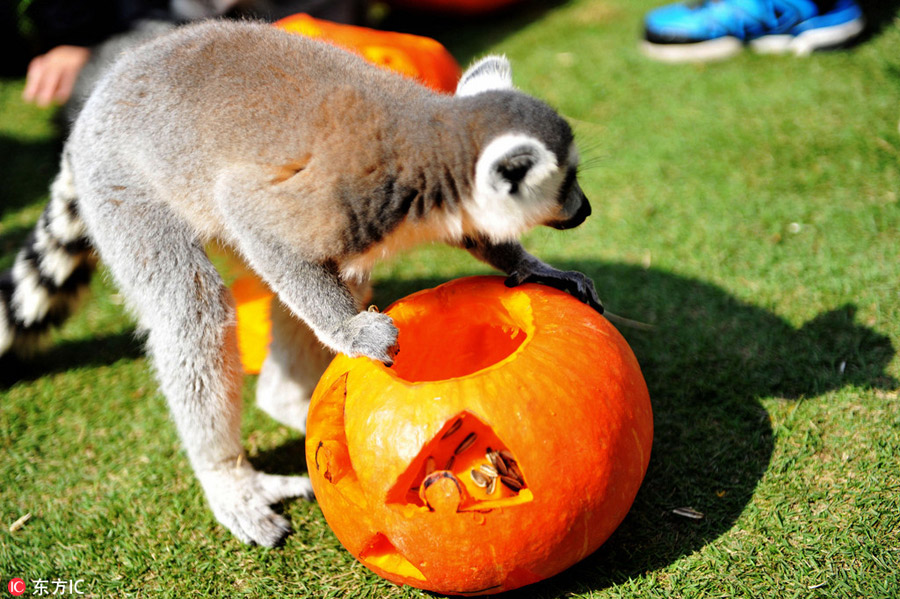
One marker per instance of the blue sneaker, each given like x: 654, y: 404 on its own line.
x: 717, y: 29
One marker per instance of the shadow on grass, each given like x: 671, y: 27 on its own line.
x: 879, y: 15
x: 707, y: 363
x: 27, y: 170
x: 71, y: 355
x: 287, y: 458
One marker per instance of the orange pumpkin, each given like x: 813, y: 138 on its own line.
x: 506, y: 443
x: 464, y: 7
x: 417, y: 57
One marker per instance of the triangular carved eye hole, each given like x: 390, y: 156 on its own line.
x: 487, y: 474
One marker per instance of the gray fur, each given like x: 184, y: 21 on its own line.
x: 313, y: 164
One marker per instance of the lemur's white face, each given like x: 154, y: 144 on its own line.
x: 519, y: 185
x: 519, y: 182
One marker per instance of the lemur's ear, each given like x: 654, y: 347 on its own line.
x: 511, y: 160
x: 489, y: 73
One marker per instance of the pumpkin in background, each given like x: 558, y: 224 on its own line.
x: 462, y: 7
x: 253, y: 305
x: 505, y: 444
x: 417, y: 57
x: 420, y: 58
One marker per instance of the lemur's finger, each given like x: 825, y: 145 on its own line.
x: 515, y: 279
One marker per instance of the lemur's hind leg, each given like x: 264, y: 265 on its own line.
x: 291, y: 370
x: 295, y: 362
x: 188, y: 313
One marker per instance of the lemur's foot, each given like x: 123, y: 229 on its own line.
x: 240, y: 498
x: 578, y: 284
x: 370, y: 334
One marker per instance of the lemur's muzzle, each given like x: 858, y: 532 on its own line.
x: 578, y: 202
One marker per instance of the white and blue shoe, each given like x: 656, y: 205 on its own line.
x: 717, y: 29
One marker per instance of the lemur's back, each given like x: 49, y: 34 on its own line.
x: 180, y: 108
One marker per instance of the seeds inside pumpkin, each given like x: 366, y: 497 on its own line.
x: 466, y: 443
x: 488, y: 469
x: 511, y: 483
x: 480, y: 478
x: 453, y: 428
x: 497, y: 461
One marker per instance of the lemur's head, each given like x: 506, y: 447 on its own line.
x: 525, y: 174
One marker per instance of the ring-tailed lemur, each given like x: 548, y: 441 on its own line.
x: 313, y: 164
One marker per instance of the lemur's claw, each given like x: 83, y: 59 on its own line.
x: 515, y: 279
x: 575, y: 283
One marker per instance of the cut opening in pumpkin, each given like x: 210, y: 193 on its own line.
x: 381, y: 553
x: 331, y: 457
x: 473, y: 335
x: 466, y: 450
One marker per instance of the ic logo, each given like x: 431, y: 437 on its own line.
x: 16, y: 586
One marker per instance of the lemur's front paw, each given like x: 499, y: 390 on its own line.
x: 240, y: 498
x: 578, y: 284
x: 371, y: 334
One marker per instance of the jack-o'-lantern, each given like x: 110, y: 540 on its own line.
x: 420, y: 58
x: 507, y: 441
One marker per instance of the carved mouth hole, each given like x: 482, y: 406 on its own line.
x: 465, y: 338
x: 469, y: 450
x: 381, y: 554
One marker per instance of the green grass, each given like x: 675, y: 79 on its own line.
x: 748, y: 209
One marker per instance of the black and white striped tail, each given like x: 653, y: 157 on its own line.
x: 51, y: 271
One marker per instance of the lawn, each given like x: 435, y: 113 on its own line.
x: 748, y: 210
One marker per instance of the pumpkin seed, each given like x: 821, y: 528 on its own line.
x: 492, y: 486
x: 514, y: 472
x: 488, y: 469
x: 453, y: 428
x: 430, y: 466
x: 480, y: 479
x: 688, y: 512
x: 497, y: 461
x: 466, y: 443
x: 450, y: 462
x: 511, y: 483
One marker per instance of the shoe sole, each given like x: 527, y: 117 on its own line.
x: 708, y: 51
x: 721, y: 48
x: 808, y: 42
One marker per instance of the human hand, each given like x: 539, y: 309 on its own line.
x: 51, y: 76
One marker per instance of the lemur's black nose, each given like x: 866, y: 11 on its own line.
x: 584, y: 211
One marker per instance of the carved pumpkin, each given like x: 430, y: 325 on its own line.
x: 417, y: 57
x: 506, y: 443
